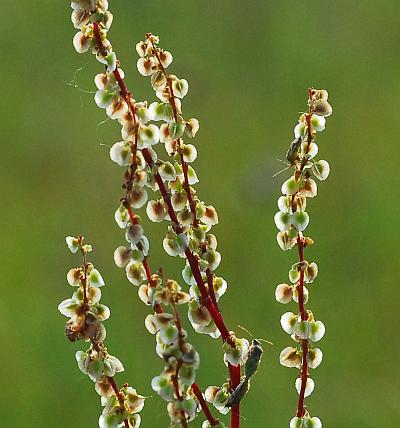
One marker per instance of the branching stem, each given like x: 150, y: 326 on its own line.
x: 208, y: 300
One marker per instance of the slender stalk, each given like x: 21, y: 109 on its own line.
x: 211, y: 290
x: 234, y: 372
x: 119, y: 396
x: 175, y: 377
x: 181, y: 336
x: 203, y: 404
x: 304, y: 342
x: 146, y: 265
x: 172, y: 102
x: 300, y: 287
x: 217, y: 317
x: 193, y: 262
x: 208, y: 300
x: 84, y: 279
x: 116, y: 390
x: 98, y: 346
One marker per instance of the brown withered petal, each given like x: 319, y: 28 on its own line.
x: 103, y: 387
x: 165, y: 58
x: 192, y: 126
x: 289, y: 357
x: 81, y: 42
x: 101, y: 81
x: 210, y: 216
x: 309, y: 189
x: 200, y: 316
x: 79, y: 18
x: 322, y: 108
x: 181, y: 298
x: 117, y: 109
x: 158, y: 81
x: 179, y: 200
x: 320, y: 94
x: 88, y: 5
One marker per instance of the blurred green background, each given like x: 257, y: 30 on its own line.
x: 249, y: 64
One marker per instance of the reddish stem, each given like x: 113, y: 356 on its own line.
x: 309, y: 130
x: 203, y: 404
x: 188, y: 192
x: 234, y: 372
x: 193, y: 262
x: 185, y: 167
x: 300, y: 287
x: 304, y: 375
x: 175, y: 382
x: 304, y: 342
x: 215, y: 314
x: 211, y: 291
x: 126, y: 95
x: 181, y: 336
x: 217, y: 317
x: 119, y: 396
x: 157, y: 307
x: 132, y: 217
x: 148, y: 272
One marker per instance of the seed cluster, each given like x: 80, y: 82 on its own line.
x: 145, y: 127
x: 292, y: 220
x: 86, y: 315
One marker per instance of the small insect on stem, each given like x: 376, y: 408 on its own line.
x: 237, y: 395
x: 253, y: 359
x: 250, y: 369
x: 292, y: 155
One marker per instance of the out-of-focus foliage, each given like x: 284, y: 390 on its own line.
x: 249, y: 65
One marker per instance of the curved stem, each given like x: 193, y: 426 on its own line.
x: 192, y: 260
x: 203, y: 404
x: 185, y: 168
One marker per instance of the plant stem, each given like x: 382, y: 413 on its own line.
x: 119, y: 396
x: 203, y: 404
x: 300, y: 287
x: 192, y: 260
x: 84, y: 279
x: 134, y: 219
x: 175, y: 377
x: 125, y: 93
x: 211, y: 291
x: 304, y: 342
x: 234, y: 372
x: 172, y: 102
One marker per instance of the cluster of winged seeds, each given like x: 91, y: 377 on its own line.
x: 164, y: 190
x: 292, y: 220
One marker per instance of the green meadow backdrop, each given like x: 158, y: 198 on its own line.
x: 248, y: 64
